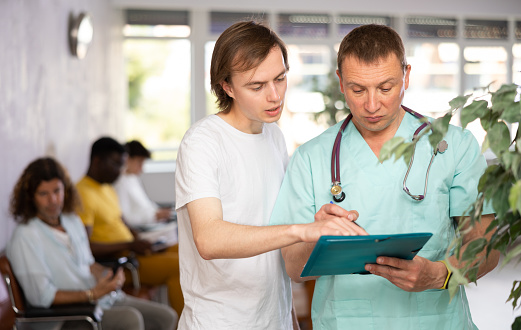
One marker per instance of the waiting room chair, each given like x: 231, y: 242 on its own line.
x: 18, y: 311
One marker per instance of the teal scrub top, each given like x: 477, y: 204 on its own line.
x: 374, y: 189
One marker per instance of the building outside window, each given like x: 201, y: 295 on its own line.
x: 158, y: 60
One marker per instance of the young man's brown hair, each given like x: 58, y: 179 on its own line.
x: 241, y: 47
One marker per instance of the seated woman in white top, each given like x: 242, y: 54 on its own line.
x: 51, y: 258
x: 135, y: 204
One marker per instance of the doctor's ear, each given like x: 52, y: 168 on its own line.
x: 227, y: 88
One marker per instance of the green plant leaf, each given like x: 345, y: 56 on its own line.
x: 512, y: 161
x: 456, y: 280
x: 501, y: 242
x: 490, y: 171
x: 503, y: 97
x: 517, y: 323
x: 489, y: 119
x: 473, y: 111
x: 472, y: 273
x: 389, y: 148
x: 404, y: 151
x: 458, y: 102
x: 474, y: 247
x: 486, y: 144
x: 512, y: 254
x: 498, y: 137
x: 515, y: 228
x: 515, y: 293
x: 439, y: 128
x: 514, y: 197
x: 512, y: 113
x: 500, y: 199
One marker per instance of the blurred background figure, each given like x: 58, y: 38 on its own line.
x: 109, y: 234
x: 137, y: 207
x: 51, y: 258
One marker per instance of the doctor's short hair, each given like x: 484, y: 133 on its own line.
x: 241, y: 47
x: 370, y: 43
x: 22, y: 204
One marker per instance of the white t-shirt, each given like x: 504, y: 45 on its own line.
x: 245, y: 172
x: 136, y: 206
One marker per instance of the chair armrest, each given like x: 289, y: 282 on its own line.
x: 86, y: 309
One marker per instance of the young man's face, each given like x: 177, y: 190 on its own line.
x: 48, y: 199
x: 374, y: 93
x: 258, y: 94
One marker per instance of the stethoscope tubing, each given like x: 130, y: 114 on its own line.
x: 336, y: 184
x: 335, y: 160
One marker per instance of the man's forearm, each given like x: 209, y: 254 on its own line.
x: 295, y: 257
x: 225, y: 240
x: 476, y: 232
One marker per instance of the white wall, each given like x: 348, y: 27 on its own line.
x: 51, y: 103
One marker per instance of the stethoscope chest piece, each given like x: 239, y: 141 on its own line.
x: 338, y: 194
x: 441, y: 147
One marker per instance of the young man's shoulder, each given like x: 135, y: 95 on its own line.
x: 322, y: 141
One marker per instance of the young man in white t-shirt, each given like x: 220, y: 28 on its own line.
x: 229, y: 170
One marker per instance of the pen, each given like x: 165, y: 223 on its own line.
x: 331, y: 202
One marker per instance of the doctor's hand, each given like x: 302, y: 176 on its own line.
x: 418, y: 274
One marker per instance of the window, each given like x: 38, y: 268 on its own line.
x: 211, y: 106
x: 486, y: 29
x: 156, y: 23
x: 449, y: 56
x: 484, y: 66
x: 434, y: 61
x: 220, y: 21
x: 434, y: 77
x: 157, y: 54
x: 431, y: 27
x: 346, y: 23
x: 310, y: 71
x: 304, y: 25
x: 516, y: 51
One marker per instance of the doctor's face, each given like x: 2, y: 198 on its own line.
x: 258, y: 94
x: 374, y: 93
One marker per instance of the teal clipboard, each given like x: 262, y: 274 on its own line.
x: 335, y: 255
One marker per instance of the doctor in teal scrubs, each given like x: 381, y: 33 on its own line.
x: 398, y: 294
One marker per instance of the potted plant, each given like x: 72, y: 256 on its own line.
x: 500, y: 184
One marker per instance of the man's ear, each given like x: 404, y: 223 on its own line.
x: 227, y: 88
x: 339, y: 75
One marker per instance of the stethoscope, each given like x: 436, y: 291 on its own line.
x: 336, y: 185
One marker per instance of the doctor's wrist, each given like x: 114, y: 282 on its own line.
x: 446, y: 275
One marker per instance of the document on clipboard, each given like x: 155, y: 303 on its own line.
x: 337, y: 255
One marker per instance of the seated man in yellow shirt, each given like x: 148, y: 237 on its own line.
x: 108, y: 233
